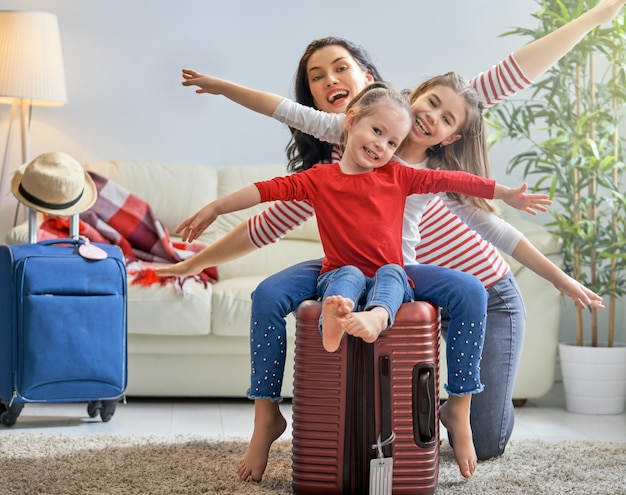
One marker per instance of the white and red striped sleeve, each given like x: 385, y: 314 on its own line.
x: 274, y: 222
x: 501, y: 81
x: 281, y: 217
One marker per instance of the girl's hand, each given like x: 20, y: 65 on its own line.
x: 517, y: 198
x: 191, y: 228
x: 577, y: 292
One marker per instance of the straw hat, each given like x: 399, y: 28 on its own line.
x: 54, y: 183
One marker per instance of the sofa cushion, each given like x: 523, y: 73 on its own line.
x: 271, y: 259
x: 172, y: 190
x: 231, y: 306
x: 164, y: 310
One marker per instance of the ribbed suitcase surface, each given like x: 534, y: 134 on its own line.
x: 344, y: 400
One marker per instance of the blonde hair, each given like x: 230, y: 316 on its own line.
x: 371, y: 99
x: 468, y: 154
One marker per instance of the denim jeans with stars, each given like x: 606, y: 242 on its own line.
x: 462, y: 296
x: 388, y: 288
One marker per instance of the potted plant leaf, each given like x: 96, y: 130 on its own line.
x: 570, y: 127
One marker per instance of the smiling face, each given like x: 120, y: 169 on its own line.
x: 438, y: 114
x: 373, y: 139
x: 334, y: 78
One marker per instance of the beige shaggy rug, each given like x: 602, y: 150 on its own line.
x: 111, y: 465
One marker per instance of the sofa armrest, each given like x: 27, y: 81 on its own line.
x: 19, y: 233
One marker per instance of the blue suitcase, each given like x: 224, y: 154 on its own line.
x: 63, y: 327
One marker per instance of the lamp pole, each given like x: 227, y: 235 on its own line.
x: 23, y: 105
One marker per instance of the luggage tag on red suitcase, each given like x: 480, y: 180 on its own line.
x: 381, y: 469
x: 91, y: 252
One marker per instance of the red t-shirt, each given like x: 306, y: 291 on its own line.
x: 359, y: 216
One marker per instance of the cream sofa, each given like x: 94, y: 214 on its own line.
x: 196, y: 344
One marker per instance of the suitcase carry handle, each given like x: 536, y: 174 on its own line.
x: 85, y: 249
x: 62, y: 240
x: 424, y: 417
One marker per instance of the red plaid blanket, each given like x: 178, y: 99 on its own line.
x: 121, y: 218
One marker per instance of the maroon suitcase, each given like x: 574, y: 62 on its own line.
x: 344, y: 401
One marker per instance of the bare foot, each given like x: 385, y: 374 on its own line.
x: 454, y: 415
x: 367, y: 325
x: 269, y: 424
x: 334, y: 313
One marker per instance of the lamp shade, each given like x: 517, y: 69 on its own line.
x: 31, y: 61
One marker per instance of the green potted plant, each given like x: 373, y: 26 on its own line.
x: 571, y: 125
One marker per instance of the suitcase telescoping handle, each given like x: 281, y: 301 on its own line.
x: 384, y: 372
x: 32, y: 226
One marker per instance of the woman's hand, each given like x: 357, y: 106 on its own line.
x: 182, y: 269
x: 259, y: 101
x: 205, y: 83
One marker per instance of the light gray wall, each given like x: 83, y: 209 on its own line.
x: 123, y: 61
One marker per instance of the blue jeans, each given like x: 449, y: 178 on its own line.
x: 461, y: 295
x: 492, y: 413
x: 464, y: 299
x: 272, y: 300
x: 388, y: 288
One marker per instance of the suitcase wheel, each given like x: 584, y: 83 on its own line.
x: 108, y: 409
x: 93, y: 408
x: 105, y: 408
x: 9, y: 415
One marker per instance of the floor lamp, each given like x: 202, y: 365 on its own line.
x: 31, y: 73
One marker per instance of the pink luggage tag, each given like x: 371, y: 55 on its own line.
x: 91, y: 252
x: 381, y: 469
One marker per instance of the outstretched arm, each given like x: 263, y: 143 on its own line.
x: 259, y: 101
x: 537, y: 57
x: 516, y: 197
x: 509, y: 240
x: 245, y: 197
x: 321, y: 125
x: 233, y: 245
x: 520, y: 68
x: 530, y: 256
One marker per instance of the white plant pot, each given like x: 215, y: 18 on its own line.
x: 594, y: 378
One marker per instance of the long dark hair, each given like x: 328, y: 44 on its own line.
x: 304, y: 151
